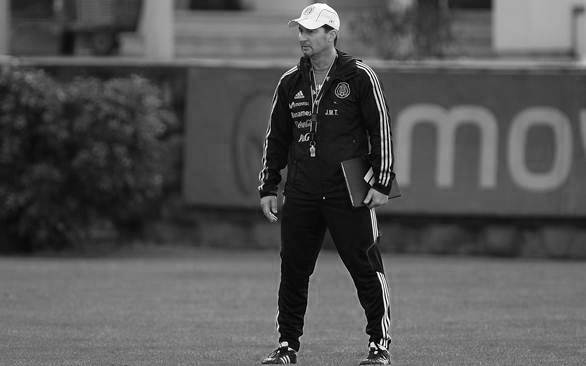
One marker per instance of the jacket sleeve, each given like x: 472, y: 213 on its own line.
x: 276, y: 144
x: 375, y: 112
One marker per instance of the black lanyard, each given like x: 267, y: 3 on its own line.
x: 316, y: 96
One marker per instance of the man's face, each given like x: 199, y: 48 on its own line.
x: 313, y: 41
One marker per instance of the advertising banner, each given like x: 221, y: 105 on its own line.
x: 480, y: 141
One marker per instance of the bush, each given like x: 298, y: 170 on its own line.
x: 77, y: 156
x: 416, y: 32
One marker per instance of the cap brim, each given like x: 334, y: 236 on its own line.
x: 305, y: 23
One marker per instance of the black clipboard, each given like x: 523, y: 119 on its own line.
x: 359, y: 177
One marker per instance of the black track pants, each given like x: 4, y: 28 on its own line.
x: 355, y: 233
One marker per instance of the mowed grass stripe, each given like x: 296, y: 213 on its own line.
x: 205, y: 307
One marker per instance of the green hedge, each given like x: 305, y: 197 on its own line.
x: 77, y: 156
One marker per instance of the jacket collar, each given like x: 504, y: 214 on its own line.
x: 344, y: 67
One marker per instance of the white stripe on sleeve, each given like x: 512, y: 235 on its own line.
x: 385, y: 133
x: 264, y: 171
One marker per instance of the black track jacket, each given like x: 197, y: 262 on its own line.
x: 352, y: 121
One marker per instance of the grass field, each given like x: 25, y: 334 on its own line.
x: 203, y: 307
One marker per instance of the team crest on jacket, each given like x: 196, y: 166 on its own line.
x: 342, y: 90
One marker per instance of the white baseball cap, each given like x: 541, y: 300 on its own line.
x: 317, y: 15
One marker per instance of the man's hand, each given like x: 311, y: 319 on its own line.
x: 268, y: 204
x: 375, y: 199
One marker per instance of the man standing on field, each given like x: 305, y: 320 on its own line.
x: 327, y: 109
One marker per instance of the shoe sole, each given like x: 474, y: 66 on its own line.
x: 279, y: 362
x: 367, y: 363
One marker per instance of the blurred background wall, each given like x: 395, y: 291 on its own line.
x: 486, y: 97
x: 257, y: 28
x: 547, y: 26
x: 4, y: 27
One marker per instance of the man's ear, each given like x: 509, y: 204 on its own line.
x: 332, y: 35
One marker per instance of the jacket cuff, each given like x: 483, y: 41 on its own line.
x: 382, y: 189
x: 267, y: 193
